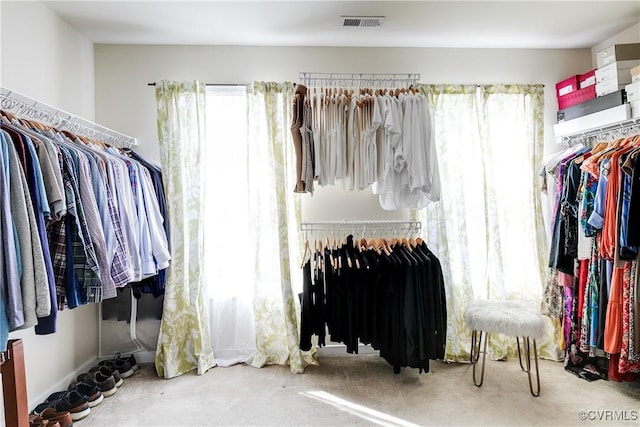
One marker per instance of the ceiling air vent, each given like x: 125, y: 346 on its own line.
x: 361, y: 21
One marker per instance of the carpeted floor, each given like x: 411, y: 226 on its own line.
x: 350, y: 390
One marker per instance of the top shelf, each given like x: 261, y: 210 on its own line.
x: 607, y: 124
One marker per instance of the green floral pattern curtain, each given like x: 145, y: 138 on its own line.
x: 274, y: 226
x: 488, y: 227
x: 184, y: 339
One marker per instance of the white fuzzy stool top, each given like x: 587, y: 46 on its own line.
x: 507, y: 317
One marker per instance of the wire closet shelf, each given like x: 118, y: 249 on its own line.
x: 612, y: 132
x: 362, y: 227
x: 359, y: 80
x: 26, y: 107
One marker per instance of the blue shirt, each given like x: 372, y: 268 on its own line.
x: 596, y: 219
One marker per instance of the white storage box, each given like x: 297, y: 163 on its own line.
x: 606, y: 87
x: 633, y: 91
x: 619, y: 52
x: 635, y: 74
x: 612, y: 77
x: 635, y: 109
x: 614, y: 72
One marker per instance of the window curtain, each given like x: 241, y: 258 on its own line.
x: 488, y: 227
x: 184, y: 339
x: 274, y: 226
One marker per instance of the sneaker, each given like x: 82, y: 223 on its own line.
x: 63, y: 417
x: 107, y: 385
x: 122, y: 366
x: 108, y: 371
x: 66, y: 401
x: 131, y: 359
x: 92, y: 391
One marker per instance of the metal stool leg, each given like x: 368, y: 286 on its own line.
x: 527, y: 350
x: 520, y: 353
x: 476, y: 343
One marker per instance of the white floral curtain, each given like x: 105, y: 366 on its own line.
x: 184, y: 339
x: 274, y: 225
x: 488, y: 228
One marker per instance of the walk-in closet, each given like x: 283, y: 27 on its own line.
x: 220, y: 213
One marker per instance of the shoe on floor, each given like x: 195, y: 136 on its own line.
x: 122, y: 366
x: 92, y: 391
x: 107, y: 385
x: 75, y: 403
x: 63, y: 417
x: 109, y: 371
x: 66, y: 401
x: 38, y: 421
x: 131, y: 359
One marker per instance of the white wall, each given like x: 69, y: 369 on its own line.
x: 43, y: 57
x: 125, y: 102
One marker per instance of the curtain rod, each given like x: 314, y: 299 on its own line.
x: 23, y: 105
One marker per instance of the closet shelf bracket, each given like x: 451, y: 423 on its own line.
x: 25, y: 106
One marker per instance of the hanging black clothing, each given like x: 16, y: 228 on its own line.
x: 395, y: 302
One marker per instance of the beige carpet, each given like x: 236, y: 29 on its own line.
x: 350, y: 390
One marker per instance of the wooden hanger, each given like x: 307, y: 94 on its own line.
x: 8, y: 115
x: 405, y: 242
x: 306, y: 253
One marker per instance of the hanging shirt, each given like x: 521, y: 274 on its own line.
x: 11, y: 274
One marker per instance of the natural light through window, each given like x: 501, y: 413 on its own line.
x: 371, y: 415
x: 228, y: 272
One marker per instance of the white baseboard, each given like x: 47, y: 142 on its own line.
x: 340, y: 349
x: 63, y: 384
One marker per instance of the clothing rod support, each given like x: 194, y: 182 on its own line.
x: 23, y: 105
x: 605, y: 133
x: 358, y: 79
x: 364, y: 225
x: 208, y: 84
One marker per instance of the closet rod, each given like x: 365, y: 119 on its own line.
x: 23, y: 105
x: 334, y: 78
x: 605, y: 133
x: 209, y: 84
x: 364, y: 225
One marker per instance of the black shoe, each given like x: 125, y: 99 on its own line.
x: 72, y: 401
x: 131, y: 359
x: 106, y: 384
x: 109, y: 371
x: 92, y: 391
x: 122, y: 366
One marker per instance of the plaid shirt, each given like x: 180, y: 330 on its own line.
x: 56, y: 231
x: 133, y: 178
x: 120, y: 271
x: 83, y: 257
x: 94, y: 225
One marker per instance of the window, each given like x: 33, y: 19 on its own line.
x: 228, y: 274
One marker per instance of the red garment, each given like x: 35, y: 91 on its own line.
x: 582, y: 285
x: 625, y: 365
x: 613, y: 321
x: 583, y: 269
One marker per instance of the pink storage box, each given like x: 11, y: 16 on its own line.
x: 587, y: 79
x: 576, y: 97
x: 567, y: 86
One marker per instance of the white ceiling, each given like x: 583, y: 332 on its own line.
x: 473, y: 24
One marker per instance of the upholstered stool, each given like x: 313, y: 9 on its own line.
x: 510, y: 318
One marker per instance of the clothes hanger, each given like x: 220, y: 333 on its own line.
x: 307, y: 251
